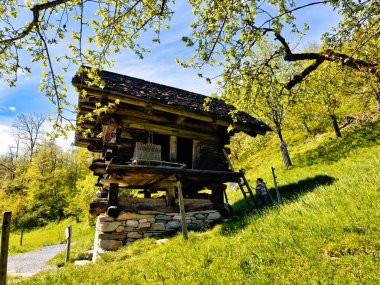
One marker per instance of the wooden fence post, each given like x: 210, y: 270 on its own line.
x: 279, y: 200
x: 4, y: 247
x: 182, y: 211
x: 68, y: 238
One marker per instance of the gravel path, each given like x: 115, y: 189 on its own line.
x: 33, y: 262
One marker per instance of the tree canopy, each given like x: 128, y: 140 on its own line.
x: 224, y: 33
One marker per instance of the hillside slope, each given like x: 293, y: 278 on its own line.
x: 326, y: 232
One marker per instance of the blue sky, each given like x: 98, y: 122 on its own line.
x: 158, y: 66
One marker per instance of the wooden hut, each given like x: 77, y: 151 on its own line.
x: 155, y: 136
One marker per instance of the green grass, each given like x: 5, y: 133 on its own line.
x: 326, y: 232
x: 51, y: 234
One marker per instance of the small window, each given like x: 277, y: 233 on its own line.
x: 185, y: 151
x: 164, y: 142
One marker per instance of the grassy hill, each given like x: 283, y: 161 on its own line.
x: 326, y: 232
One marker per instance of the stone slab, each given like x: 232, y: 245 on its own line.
x: 149, y: 212
x: 112, y: 236
x: 82, y: 262
x: 123, y: 216
x: 108, y: 226
x: 158, y: 227
x: 214, y: 216
x: 144, y: 225
x: 173, y: 225
x: 134, y: 235
x: 105, y: 218
x: 164, y: 217
x: 110, y: 244
x: 132, y: 223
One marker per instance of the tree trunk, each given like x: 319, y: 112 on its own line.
x: 22, y: 235
x: 378, y: 101
x: 304, y: 123
x: 336, y: 126
x: 284, y: 149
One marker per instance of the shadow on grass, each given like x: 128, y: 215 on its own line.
x: 290, y: 192
x: 333, y: 149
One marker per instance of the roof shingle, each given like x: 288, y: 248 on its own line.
x: 174, y: 97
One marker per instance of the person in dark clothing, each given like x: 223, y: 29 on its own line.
x: 261, y: 192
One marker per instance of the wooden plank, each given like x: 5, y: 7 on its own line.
x: 165, y: 108
x: 135, y: 170
x: 173, y: 149
x: 171, y: 130
x: 151, y: 204
x: 4, y: 247
x: 170, y: 196
x: 196, y: 154
x: 182, y: 211
x: 170, y: 119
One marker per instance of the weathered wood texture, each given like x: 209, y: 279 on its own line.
x: 197, y: 154
x: 145, y: 204
x: 212, y: 157
x: 167, y: 170
x: 201, y: 115
x: 113, y: 193
x: 173, y: 149
x: 182, y: 211
x: 6, y: 227
x: 68, y: 239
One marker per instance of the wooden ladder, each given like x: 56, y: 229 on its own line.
x: 247, y: 193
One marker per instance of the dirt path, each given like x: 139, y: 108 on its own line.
x: 33, y: 262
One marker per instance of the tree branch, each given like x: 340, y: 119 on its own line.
x: 320, y: 57
x: 36, y: 9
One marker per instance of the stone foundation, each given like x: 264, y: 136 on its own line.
x: 112, y: 233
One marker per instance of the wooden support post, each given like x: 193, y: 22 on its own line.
x: 4, y: 247
x: 182, y: 211
x: 68, y: 238
x: 113, y: 194
x: 196, y: 154
x: 217, y: 195
x: 173, y: 149
x: 170, y: 196
x: 279, y: 200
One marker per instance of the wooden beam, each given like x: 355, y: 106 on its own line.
x: 6, y: 227
x: 170, y: 196
x: 153, y: 204
x: 180, y: 120
x: 162, y: 107
x: 169, y: 130
x: 200, y: 174
x: 196, y: 154
x: 218, y: 193
x: 182, y: 211
x: 173, y: 149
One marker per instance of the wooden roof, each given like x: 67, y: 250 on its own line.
x: 130, y: 87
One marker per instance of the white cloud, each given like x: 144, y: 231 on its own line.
x: 13, y: 109
x: 6, y: 138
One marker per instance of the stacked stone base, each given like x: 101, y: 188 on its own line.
x: 112, y: 233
